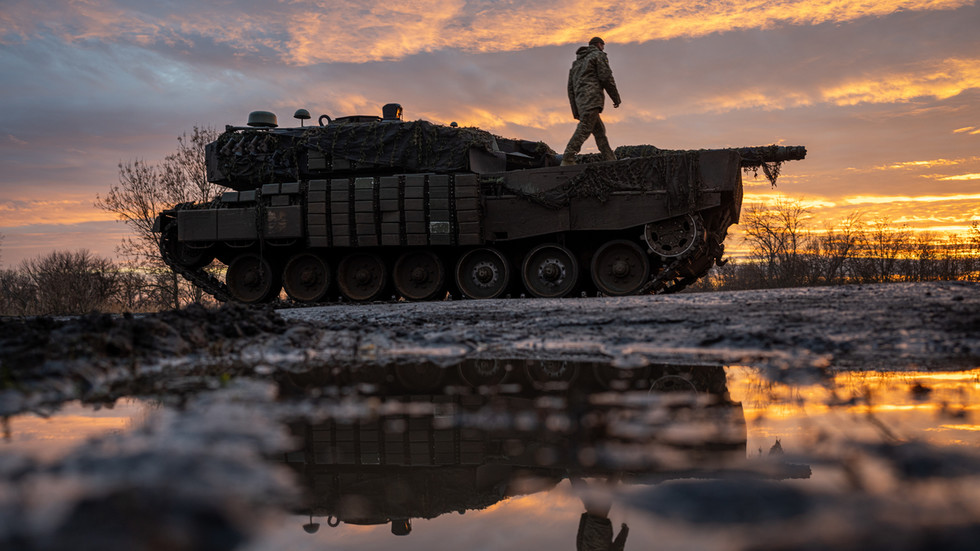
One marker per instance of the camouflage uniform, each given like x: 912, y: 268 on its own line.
x: 595, y: 533
x: 589, y: 76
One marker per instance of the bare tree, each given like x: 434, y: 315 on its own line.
x: 143, y: 191
x: 777, y: 235
x: 185, y: 170
x: 18, y: 296
x: 973, y: 236
x: 67, y: 282
x: 835, y: 249
x: 882, y: 248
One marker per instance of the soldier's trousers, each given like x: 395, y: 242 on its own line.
x: 589, y: 124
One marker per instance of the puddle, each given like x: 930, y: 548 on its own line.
x: 51, y: 436
x: 525, y: 454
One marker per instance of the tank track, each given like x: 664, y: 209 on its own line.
x: 199, y: 277
x: 667, y: 281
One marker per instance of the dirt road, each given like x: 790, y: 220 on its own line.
x: 899, y: 326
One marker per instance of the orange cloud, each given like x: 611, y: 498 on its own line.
x: 939, y: 80
x: 304, y: 32
x: 919, y: 80
x: 963, y: 177
x: 883, y: 199
x: 920, y: 164
x: 914, y: 165
x: 66, y: 211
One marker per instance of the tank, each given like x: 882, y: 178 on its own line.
x: 368, y: 208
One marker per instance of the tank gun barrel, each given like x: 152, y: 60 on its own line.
x: 755, y: 156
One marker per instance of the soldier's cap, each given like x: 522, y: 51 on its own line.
x: 597, y: 40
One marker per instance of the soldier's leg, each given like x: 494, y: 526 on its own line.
x: 599, y: 131
x: 586, y: 124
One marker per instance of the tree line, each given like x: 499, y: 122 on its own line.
x: 786, y: 250
x: 79, y: 282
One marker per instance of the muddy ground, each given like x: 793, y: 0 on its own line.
x: 195, y: 474
x: 787, y: 331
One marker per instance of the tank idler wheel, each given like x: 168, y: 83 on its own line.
x: 306, y: 277
x: 362, y: 277
x: 620, y: 268
x: 483, y: 273
x: 419, y: 275
x: 674, y: 237
x: 550, y: 271
x: 250, y: 279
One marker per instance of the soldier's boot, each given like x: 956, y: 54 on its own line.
x: 582, y: 132
x: 607, y: 152
x: 568, y: 158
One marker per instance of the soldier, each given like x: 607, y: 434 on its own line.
x: 589, y: 76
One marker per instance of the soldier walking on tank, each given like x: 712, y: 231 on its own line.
x: 589, y: 77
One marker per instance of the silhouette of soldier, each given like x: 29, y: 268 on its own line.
x: 595, y: 531
x: 588, y: 79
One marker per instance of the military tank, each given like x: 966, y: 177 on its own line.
x: 372, y: 207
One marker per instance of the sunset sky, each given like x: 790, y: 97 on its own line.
x: 884, y: 94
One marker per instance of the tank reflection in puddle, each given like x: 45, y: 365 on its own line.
x: 449, y: 439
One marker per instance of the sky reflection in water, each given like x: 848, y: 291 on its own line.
x: 507, y: 480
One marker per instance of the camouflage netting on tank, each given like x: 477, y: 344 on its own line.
x: 256, y: 157
x: 531, y: 148
x: 417, y: 146
x: 676, y: 173
x: 248, y: 159
x: 769, y: 157
x: 630, y: 151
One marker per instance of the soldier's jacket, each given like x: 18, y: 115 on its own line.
x: 589, y: 76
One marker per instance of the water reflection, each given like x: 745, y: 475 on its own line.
x: 527, y: 454
x: 442, y: 440
x: 49, y: 435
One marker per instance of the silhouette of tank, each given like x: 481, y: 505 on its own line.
x: 359, y: 205
x: 485, y: 434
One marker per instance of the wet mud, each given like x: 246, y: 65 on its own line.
x: 781, y: 419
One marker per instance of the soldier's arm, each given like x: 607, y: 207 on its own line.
x: 604, y: 72
x: 571, y: 96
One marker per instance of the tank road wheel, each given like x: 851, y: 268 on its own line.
x: 250, y: 279
x: 362, y: 277
x: 306, y: 277
x: 483, y: 273
x: 620, y: 268
x: 545, y: 373
x: 550, y: 271
x: 477, y: 373
x: 419, y: 275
